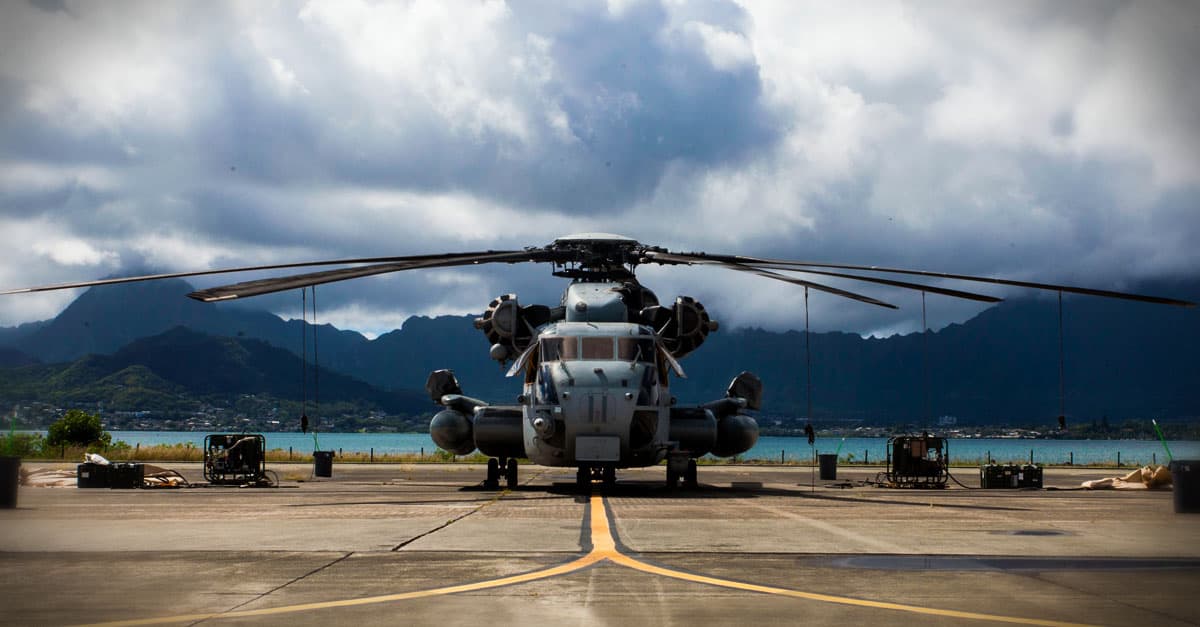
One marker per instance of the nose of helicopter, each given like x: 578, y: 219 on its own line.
x: 598, y: 402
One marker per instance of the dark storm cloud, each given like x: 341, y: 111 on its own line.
x: 635, y: 102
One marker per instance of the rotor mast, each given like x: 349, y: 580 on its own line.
x: 596, y: 257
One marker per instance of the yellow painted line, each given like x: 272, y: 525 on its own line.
x: 625, y: 560
x: 562, y: 569
x: 604, y: 548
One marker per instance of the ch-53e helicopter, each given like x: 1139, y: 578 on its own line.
x: 596, y: 368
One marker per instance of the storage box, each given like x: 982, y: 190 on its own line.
x: 126, y: 476
x: 89, y: 475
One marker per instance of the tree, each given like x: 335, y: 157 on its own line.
x: 77, y: 427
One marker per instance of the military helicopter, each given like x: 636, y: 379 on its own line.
x: 596, y: 368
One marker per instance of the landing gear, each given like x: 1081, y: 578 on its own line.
x: 493, y: 474
x: 496, y: 468
x: 510, y: 474
x: 680, y: 465
x: 587, y: 474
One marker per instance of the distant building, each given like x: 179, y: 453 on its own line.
x: 947, y: 421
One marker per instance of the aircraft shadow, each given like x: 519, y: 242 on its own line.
x: 746, y: 490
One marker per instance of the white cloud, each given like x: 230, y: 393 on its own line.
x: 1040, y: 140
x: 74, y: 252
x: 726, y: 50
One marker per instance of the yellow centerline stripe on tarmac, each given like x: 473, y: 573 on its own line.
x: 604, y: 548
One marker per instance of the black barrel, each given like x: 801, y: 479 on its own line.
x: 828, y: 463
x: 323, y: 463
x: 1185, y: 475
x: 10, y: 477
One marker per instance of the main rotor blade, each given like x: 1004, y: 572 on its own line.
x: 1072, y: 289
x: 278, y: 266
x: 259, y: 287
x: 984, y: 298
x: 816, y: 286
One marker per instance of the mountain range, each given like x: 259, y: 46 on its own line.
x: 1122, y: 360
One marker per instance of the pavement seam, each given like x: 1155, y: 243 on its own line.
x: 276, y: 588
x: 438, y: 528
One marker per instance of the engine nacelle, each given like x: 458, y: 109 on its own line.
x: 509, y: 327
x: 498, y: 432
x: 682, y: 327
x: 452, y: 431
x: 736, y: 434
x: 694, y: 428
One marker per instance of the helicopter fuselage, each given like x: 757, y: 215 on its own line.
x: 596, y: 386
x: 595, y: 393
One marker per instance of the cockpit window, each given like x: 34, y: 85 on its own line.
x: 635, y: 349
x: 552, y: 348
x: 597, y: 348
x: 560, y: 349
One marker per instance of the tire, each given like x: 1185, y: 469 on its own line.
x: 672, y: 479
x: 493, y: 474
x: 583, y: 479
x: 510, y: 474
x: 690, y: 478
x: 610, y: 475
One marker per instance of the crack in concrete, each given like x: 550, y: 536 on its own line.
x: 442, y: 526
x: 448, y: 522
x: 275, y: 589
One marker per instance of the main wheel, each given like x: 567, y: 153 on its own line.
x: 690, y: 477
x: 510, y: 474
x: 672, y: 478
x: 493, y: 474
x: 610, y: 475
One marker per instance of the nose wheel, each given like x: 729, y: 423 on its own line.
x: 585, y: 475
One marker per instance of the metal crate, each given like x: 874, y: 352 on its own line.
x: 1009, y: 476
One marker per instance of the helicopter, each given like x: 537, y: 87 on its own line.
x: 596, y: 368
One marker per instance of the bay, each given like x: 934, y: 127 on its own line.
x: 769, y: 448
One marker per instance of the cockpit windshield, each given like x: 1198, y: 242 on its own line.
x: 597, y: 348
x: 635, y: 349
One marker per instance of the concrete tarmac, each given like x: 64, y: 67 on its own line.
x: 424, y: 544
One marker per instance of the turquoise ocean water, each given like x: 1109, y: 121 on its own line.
x: 768, y: 448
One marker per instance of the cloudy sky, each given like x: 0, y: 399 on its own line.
x: 1047, y: 141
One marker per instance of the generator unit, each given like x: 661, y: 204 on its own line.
x: 996, y: 476
x: 917, y: 462
x: 234, y: 458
